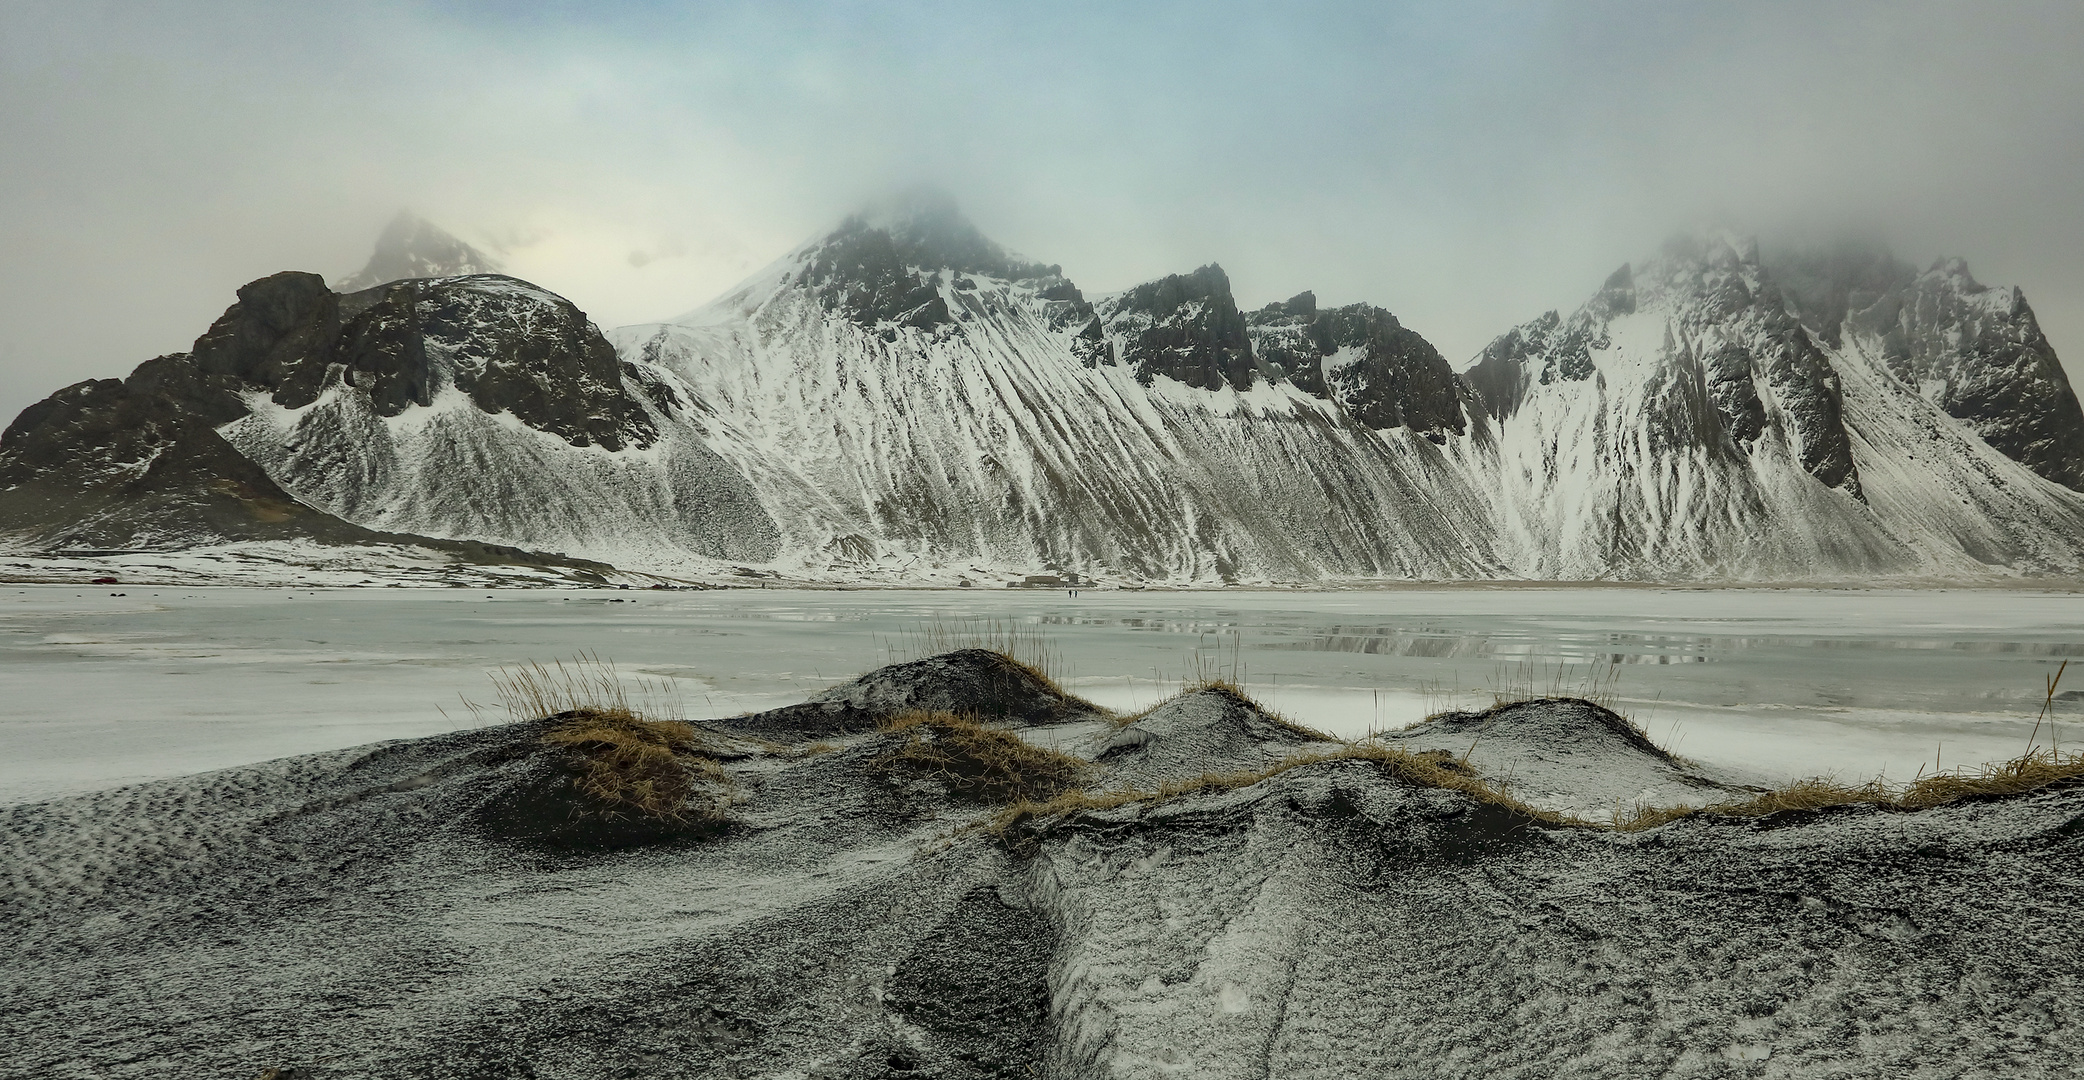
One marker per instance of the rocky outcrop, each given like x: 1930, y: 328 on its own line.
x: 1184, y: 327
x: 288, y: 417
x: 138, y: 464
x: 887, y: 265
x: 1383, y: 374
x: 504, y: 344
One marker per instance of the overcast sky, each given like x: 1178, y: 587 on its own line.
x: 1466, y: 165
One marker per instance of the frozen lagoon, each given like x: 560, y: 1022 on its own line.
x: 98, y: 689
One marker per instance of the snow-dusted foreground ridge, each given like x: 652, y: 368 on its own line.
x: 903, y: 400
x: 395, y: 911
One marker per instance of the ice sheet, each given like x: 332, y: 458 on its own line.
x: 98, y: 690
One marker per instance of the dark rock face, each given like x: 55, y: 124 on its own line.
x: 1283, y: 342
x: 136, y: 463
x: 509, y: 346
x: 1186, y: 327
x: 862, y: 273
x: 1360, y: 356
x: 1548, y: 349
x: 973, y: 682
x: 1976, y: 352
x: 1734, y: 303
x: 1499, y: 376
x: 412, y: 247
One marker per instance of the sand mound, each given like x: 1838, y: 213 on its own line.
x: 972, y: 682
x: 352, y: 915
x: 1569, y: 755
x: 1214, y: 729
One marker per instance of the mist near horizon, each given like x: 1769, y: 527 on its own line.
x: 1465, y: 168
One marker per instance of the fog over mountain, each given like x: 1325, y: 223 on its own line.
x: 1465, y: 166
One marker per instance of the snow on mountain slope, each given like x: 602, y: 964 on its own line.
x: 1684, y: 425
x: 903, y: 393
x: 907, y: 393
x: 477, y: 416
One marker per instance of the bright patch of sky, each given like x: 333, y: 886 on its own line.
x: 1466, y: 165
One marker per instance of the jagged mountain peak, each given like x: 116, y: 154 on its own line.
x: 1302, y: 305
x: 413, y: 247
x: 1380, y: 372
x: 1186, y: 327
x: 885, y: 266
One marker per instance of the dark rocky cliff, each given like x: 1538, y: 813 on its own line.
x: 1383, y: 373
x: 1186, y: 327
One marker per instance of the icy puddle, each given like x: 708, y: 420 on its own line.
x: 98, y: 690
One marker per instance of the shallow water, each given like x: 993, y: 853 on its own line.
x: 99, y: 689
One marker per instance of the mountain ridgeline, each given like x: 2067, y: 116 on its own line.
x: 904, y: 400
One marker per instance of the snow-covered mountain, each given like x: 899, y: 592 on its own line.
x: 1684, y: 423
x: 904, y: 392
x: 902, y: 399
x: 902, y: 389
x: 1976, y: 352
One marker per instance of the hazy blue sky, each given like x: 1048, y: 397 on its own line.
x: 1466, y: 165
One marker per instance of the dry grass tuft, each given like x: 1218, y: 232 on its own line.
x: 630, y: 766
x: 977, y: 762
x: 1440, y: 770
x: 588, y: 683
x: 1025, y: 648
x: 1430, y: 770
x: 2027, y: 773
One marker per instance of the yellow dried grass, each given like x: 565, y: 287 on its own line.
x: 1422, y: 769
x: 2021, y: 775
x: 975, y: 761
x: 632, y: 766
